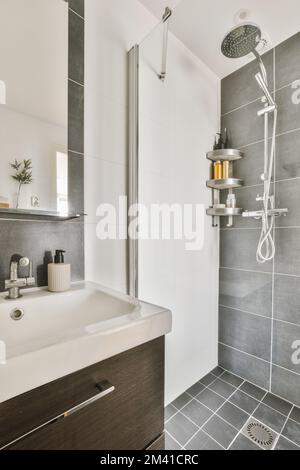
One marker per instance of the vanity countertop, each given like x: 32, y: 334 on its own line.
x: 62, y: 333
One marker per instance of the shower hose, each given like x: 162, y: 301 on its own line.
x: 266, y: 245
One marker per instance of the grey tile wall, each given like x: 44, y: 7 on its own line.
x: 34, y: 239
x: 260, y: 304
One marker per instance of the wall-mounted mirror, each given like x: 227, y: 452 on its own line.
x: 34, y: 105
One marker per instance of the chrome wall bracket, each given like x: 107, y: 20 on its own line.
x: 165, y: 19
x: 271, y: 213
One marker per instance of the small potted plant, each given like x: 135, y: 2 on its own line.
x: 22, y: 174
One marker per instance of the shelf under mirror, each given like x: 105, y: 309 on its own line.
x: 32, y: 215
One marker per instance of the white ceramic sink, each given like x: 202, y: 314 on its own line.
x: 62, y: 333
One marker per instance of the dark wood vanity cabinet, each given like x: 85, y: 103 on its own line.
x: 131, y: 417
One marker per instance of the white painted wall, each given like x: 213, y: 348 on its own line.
x: 178, y: 122
x: 112, y: 28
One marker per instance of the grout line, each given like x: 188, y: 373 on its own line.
x: 297, y: 129
x: 260, y: 141
x: 214, y: 413
x: 260, y: 359
x: 250, y: 416
x: 260, y: 272
x: 264, y: 390
x: 244, y: 352
x: 246, y: 311
x: 246, y: 270
x: 172, y: 437
x: 77, y: 14
x: 76, y: 83
x: 274, y: 91
x: 238, y: 108
x: 282, y: 435
x: 297, y: 227
x: 212, y: 439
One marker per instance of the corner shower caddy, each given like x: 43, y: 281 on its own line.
x: 229, y: 155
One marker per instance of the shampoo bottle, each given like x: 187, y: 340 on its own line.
x: 59, y: 273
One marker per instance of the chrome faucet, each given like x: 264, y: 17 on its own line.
x: 14, y: 284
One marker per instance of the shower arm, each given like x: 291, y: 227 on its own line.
x: 262, y: 66
x: 165, y: 20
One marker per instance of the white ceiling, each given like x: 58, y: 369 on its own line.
x: 202, y: 25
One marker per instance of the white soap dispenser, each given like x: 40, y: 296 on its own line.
x: 59, y: 273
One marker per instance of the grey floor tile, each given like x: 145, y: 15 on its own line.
x: 195, y: 389
x: 295, y: 414
x: 284, y: 444
x: 277, y: 403
x: 287, y: 299
x: 242, y: 443
x: 254, y: 333
x: 210, y: 399
x: 292, y: 431
x: 232, y: 379
x: 233, y: 415
x: 181, y: 401
x: 202, y: 442
x: 196, y: 412
x: 170, y: 411
x: 181, y: 428
x: 208, y: 379
x: 217, y: 371
x: 245, y: 402
x: 247, y: 291
x: 170, y: 443
x: 222, y: 388
x: 252, y: 390
x: 270, y: 417
x: 251, y: 368
x: 220, y: 431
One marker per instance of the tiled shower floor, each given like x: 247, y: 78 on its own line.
x: 212, y: 415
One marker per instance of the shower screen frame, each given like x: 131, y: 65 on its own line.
x: 133, y: 167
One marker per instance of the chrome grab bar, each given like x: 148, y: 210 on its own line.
x: 104, y: 388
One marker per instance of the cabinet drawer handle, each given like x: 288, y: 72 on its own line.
x: 104, y: 388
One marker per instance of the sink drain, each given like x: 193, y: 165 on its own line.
x: 260, y: 434
x: 17, y: 314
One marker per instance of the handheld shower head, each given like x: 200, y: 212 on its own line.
x: 260, y: 80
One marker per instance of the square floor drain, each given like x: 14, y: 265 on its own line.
x: 260, y: 434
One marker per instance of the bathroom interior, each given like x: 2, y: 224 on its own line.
x: 114, y: 335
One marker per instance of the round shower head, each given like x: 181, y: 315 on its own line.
x: 241, y: 40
